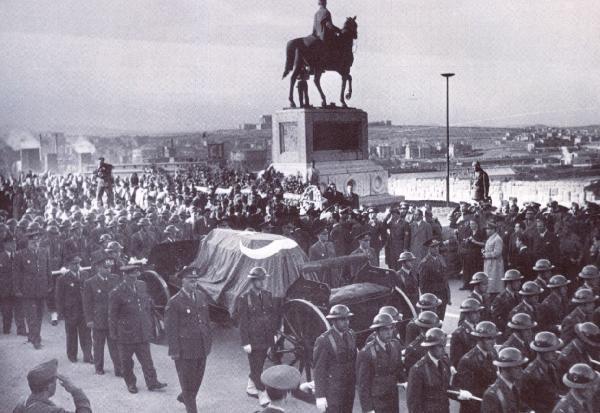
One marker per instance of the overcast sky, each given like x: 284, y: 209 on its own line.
x: 202, y: 64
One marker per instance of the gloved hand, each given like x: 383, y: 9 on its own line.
x: 90, y: 324
x: 322, y: 404
x: 452, y: 370
x: 403, y: 385
x: 308, y: 387
x: 464, y: 395
x: 247, y: 348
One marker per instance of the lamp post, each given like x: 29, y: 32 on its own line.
x: 447, y: 76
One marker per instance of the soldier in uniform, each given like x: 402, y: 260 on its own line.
x: 521, y: 327
x: 462, y: 340
x: 554, y: 308
x: 476, y: 371
x: 479, y: 283
x: 504, y: 395
x: 69, y: 304
x: 380, y: 368
x: 42, y: 383
x: 31, y: 282
x: 585, y: 346
x: 364, y: 247
x: 432, y: 276
x: 279, y: 381
x: 8, y: 304
x: 530, y: 295
x: 189, y: 336
x: 259, y: 321
x: 585, y: 301
x: 540, y: 385
x: 170, y: 234
x: 544, y: 244
x: 398, y: 237
x: 590, y: 278
x: 95, y: 310
x: 130, y: 324
x: 323, y: 248
x: 76, y: 245
x: 114, y: 251
x: 508, y: 299
x: 580, y: 380
x: 334, y: 363
x: 414, y: 351
x: 543, y: 269
x: 56, y: 253
x: 406, y: 277
x: 143, y: 240
x: 427, y: 302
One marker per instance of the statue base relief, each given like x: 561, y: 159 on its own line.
x: 337, y: 141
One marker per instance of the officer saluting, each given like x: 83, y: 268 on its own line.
x: 189, y: 336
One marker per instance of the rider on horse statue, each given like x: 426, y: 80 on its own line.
x: 324, y: 32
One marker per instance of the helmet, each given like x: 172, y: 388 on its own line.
x: 470, y: 305
x: 545, y: 342
x: 52, y: 229
x: 512, y: 275
x: 478, y: 278
x: 136, y: 215
x: 258, y: 273
x: 579, y: 376
x: 510, y: 357
x: 486, y: 329
x: 521, y: 321
x: 382, y: 320
x: 171, y: 229
x: 339, y: 311
x: 589, y: 271
x: 406, y: 256
x: 557, y: 281
x: 105, y: 237
x: 122, y: 220
x: 543, y: 265
x: 434, y: 337
x: 428, y: 301
x: 589, y: 333
x: 428, y: 319
x: 531, y: 288
x: 113, y: 246
x: 75, y: 225
x: 144, y: 222
x: 391, y: 311
x: 584, y: 296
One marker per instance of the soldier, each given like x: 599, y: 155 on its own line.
x: 77, y: 245
x: 130, y: 324
x: 114, y: 251
x: 420, y: 233
x: 476, y: 371
x: 530, y: 296
x: 590, y: 278
x: 479, y: 283
x: 279, y: 381
x: 579, y: 379
x: 364, y: 247
x: 583, y: 348
x: 543, y: 269
x: 56, y: 253
x: 540, y: 385
x: 554, y: 308
x: 143, y: 240
x: 432, y: 276
x: 99, y: 253
x: 398, y: 237
x: 380, y: 368
x: 585, y: 301
x: 31, y: 282
x: 8, y: 302
x: 504, y: 395
x: 461, y: 340
x: 426, y: 302
x: 259, y: 321
x: 414, y: 351
x: 42, y: 382
x: 507, y: 300
x: 396, y: 316
x: 406, y: 277
x: 323, y: 249
x: 69, y: 304
x: 521, y: 327
x: 95, y: 309
x: 334, y: 363
x: 189, y: 336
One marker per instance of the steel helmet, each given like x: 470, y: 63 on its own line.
x: 390, y: 310
x: 122, y: 220
x: 531, y: 288
x: 428, y: 301
x: 521, y: 321
x: 53, y: 229
x: 407, y: 256
x: 434, y: 337
x: 382, y: 320
x: 584, y: 296
x: 543, y: 265
x: 545, y: 342
x: 258, y: 273
x: 428, y: 319
x: 75, y: 225
x: 470, y: 305
x: 113, y: 246
x: 136, y: 215
x: 478, y: 278
x: 579, y: 376
x: 486, y: 329
x: 105, y: 237
x: 557, y: 281
x: 510, y: 357
x: 589, y: 333
x: 512, y: 275
x: 339, y: 311
x: 589, y: 271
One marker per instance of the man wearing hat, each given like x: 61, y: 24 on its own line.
x: 508, y: 299
x: 432, y: 276
x: 530, y: 301
x: 279, y: 381
x: 42, y: 383
x: 554, y: 308
x: 462, y: 340
x: 104, y: 181
x: 475, y: 370
x: 398, y: 236
x: 504, y: 395
x: 77, y: 244
x: 189, y: 335
x: 579, y: 380
x: 258, y: 320
x: 170, y: 234
x: 69, y: 303
x: 31, y: 282
x: 420, y: 233
x: 9, y: 306
x: 521, y: 327
x: 95, y: 310
x: 541, y: 386
x: 493, y: 261
x: 590, y: 278
x: 543, y: 268
x: 364, y: 247
x: 143, y: 240
x: 130, y: 324
x: 584, y: 347
x: 544, y: 243
x: 380, y: 368
x: 55, y: 246
x: 406, y: 277
x: 321, y: 250
x: 426, y: 301
x: 414, y: 351
x: 334, y: 360
x: 585, y: 302
x: 479, y: 282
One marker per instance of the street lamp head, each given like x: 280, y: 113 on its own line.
x: 447, y: 74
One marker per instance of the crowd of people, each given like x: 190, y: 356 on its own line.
x: 533, y: 272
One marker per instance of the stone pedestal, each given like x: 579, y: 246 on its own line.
x: 338, y: 141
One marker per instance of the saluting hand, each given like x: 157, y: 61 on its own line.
x: 247, y: 348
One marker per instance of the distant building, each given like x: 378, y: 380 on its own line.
x: 248, y: 126
x: 265, y: 122
x: 144, y: 153
x: 30, y: 160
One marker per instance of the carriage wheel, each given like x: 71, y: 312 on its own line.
x: 159, y: 292
x: 303, y: 322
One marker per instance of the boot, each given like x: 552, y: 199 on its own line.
x: 54, y: 318
x: 251, y: 389
x: 263, y: 398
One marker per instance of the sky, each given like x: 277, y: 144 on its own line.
x: 158, y: 66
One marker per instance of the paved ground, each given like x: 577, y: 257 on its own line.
x: 224, y: 382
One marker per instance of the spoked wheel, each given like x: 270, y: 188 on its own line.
x: 159, y: 292
x: 303, y: 322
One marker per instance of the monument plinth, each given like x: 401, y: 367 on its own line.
x: 338, y: 141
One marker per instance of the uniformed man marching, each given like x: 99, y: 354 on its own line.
x: 380, y: 368
x: 507, y: 300
x: 504, y: 395
x: 279, y: 381
x: 426, y: 302
x: 585, y: 346
x: 406, y: 277
x: 579, y: 379
x: 189, y: 336
x: 584, y: 301
x: 432, y: 276
x: 259, y: 320
x: 414, y: 351
x: 530, y: 300
x: 521, y: 325
x: 334, y: 363
x: 462, y: 339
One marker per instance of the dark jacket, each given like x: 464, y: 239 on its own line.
x: 499, y: 398
x: 6, y: 275
x: 502, y: 306
x: 567, y: 329
x: 188, y: 326
x: 258, y: 319
x: 545, y: 247
x: 69, y: 297
x: 130, y: 314
x: 95, y: 299
x: 31, y: 273
x: 475, y: 373
x: 461, y: 342
x: 541, y: 386
x: 432, y: 277
x: 427, y: 388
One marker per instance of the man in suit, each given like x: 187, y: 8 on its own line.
x: 420, y: 233
x: 350, y: 198
x: 580, y: 380
x: 493, y: 261
x: 69, y: 305
x: 504, y: 395
x: 259, y: 321
x: 8, y: 302
x: 398, y: 236
x: 544, y: 243
x: 323, y: 248
x: 432, y: 276
x: 334, y: 363
x: 189, y: 336
x: 585, y: 302
x: 130, y: 324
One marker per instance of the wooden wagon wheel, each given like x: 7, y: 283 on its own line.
x: 159, y: 292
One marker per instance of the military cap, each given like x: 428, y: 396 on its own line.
x: 521, y: 321
x: 171, y: 229
x: 188, y: 272
x: 407, y: 256
x: 404, y: 205
x: 431, y: 243
x: 579, y: 376
x: 589, y: 272
x: 339, y: 311
x: 486, y: 329
x: 144, y: 222
x: 491, y: 225
x: 478, y: 278
x: 382, y: 320
x: 136, y: 215
x: 113, y: 246
x: 546, y: 341
x: 434, y: 337
x: 122, y: 220
x: 510, y: 357
x: 126, y: 269
x: 470, y: 305
x: 531, y: 288
x: 258, y: 273
x: 52, y: 229
x: 43, y: 374
x: 512, y: 275
x: 543, y: 265
x: 557, y: 281
x: 75, y: 225
x: 584, y: 296
x: 363, y: 236
x: 428, y: 319
x: 589, y: 333
x: 392, y: 311
x: 281, y: 377
x: 428, y: 301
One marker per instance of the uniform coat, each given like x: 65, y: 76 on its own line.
x: 461, y: 342
x: 541, y: 386
x: 398, y: 240
x: 570, y: 404
x: 420, y: 232
x: 545, y: 246
x: 7, y: 300
x: 500, y: 398
x: 493, y: 263
x: 408, y: 281
x: 475, y: 373
x: 501, y: 307
x: 432, y: 279
x: 427, y: 386
x: 567, y: 329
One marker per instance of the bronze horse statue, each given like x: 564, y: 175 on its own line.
x: 337, y: 57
